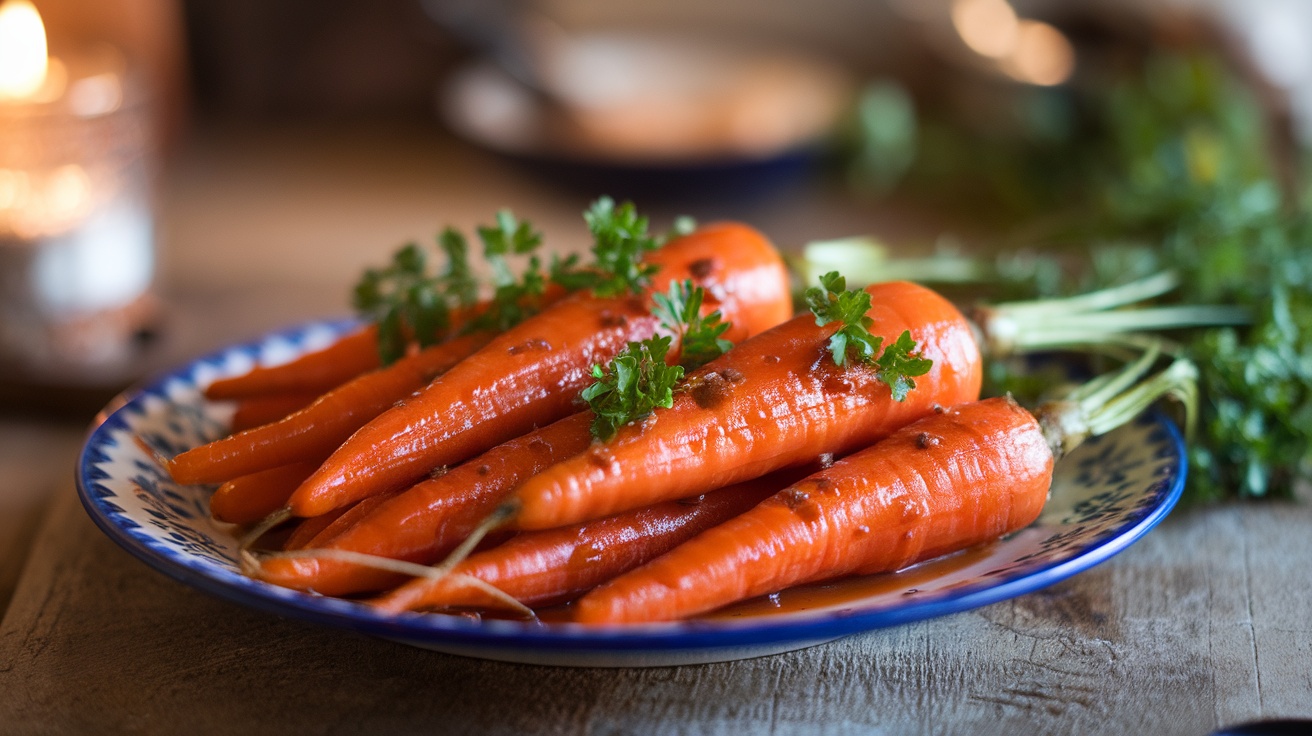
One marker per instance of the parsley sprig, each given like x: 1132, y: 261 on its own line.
x: 412, y: 305
x: 619, y: 241
x: 896, y: 365
x: 513, y: 299
x: 407, y: 303
x: 680, y: 311
x: 631, y: 386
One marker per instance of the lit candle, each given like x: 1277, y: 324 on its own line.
x: 76, y: 235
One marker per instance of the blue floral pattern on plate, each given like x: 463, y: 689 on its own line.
x: 1105, y: 495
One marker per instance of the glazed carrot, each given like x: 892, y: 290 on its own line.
x: 532, y: 374
x: 312, y: 433
x: 774, y: 401
x: 316, y: 372
x: 348, y: 357
x: 318, y: 529
x: 257, y: 410
x: 249, y: 498
x: 556, y: 565
x: 943, y: 483
x: 954, y: 479
x: 427, y: 521
x: 307, y: 530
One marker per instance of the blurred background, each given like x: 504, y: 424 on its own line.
x: 255, y: 155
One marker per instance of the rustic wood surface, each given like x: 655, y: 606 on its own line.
x: 1202, y: 623
x: 1205, y: 622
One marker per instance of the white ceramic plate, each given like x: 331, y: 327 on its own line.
x: 1105, y: 495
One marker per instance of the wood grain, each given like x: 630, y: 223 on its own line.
x: 1200, y: 624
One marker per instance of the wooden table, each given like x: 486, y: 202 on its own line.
x: 1203, y: 623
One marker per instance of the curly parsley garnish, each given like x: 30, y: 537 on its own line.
x: 407, y: 303
x: 410, y: 305
x: 898, y: 362
x: 619, y: 241
x: 631, y: 386
x: 680, y: 311
x: 514, y: 299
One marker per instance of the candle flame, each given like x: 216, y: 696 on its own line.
x: 23, y: 56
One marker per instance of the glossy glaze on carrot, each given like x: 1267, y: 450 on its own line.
x: 425, y: 522
x: 316, y: 372
x: 775, y: 401
x: 311, y: 434
x: 249, y: 498
x: 944, y: 483
x: 556, y: 565
x: 532, y: 374
x: 256, y: 411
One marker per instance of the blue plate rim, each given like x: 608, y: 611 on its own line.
x: 676, y: 636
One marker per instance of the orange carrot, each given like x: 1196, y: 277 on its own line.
x: 532, y: 374
x: 556, y: 565
x: 249, y: 498
x: 312, y: 433
x: 775, y: 401
x: 257, y: 410
x: 315, y: 372
x: 944, y: 483
x: 318, y: 529
x: 428, y: 520
x: 307, y: 530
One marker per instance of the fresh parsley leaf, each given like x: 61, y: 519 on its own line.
x: 631, y: 386
x: 699, y: 337
x: 514, y: 298
x: 410, y: 305
x: 897, y: 364
x: 620, y: 240
x: 405, y: 301
x: 459, y: 282
x: 508, y: 236
x: 833, y: 302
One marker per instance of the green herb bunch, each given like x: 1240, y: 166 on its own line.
x: 637, y: 381
x: 1165, y: 167
x: 414, y: 306
x: 619, y: 241
x: 897, y: 364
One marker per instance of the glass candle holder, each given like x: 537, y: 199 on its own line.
x: 76, y: 221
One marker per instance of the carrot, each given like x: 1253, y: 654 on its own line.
x: 257, y: 410
x: 312, y: 433
x: 954, y: 479
x: 250, y: 498
x: 532, y: 374
x: 556, y: 565
x: 308, y: 530
x: 319, y: 529
x: 943, y: 483
x: 775, y: 401
x: 428, y: 520
x: 348, y: 357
